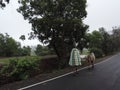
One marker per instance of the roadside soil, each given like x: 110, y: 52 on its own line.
x: 42, y: 77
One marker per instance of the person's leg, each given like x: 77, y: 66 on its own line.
x: 92, y: 64
x: 76, y: 70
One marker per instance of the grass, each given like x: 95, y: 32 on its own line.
x: 7, y: 59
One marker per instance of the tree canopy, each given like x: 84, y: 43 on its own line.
x: 3, y: 3
x: 103, y: 42
x: 57, y: 23
x: 22, y: 37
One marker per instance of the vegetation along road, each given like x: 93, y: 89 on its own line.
x: 105, y: 76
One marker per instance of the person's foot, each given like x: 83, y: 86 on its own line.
x: 93, y: 66
x: 77, y: 72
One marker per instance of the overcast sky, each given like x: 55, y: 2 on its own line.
x: 101, y: 13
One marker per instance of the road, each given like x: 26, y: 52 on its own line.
x: 105, y: 76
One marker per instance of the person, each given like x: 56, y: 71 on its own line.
x: 75, y: 59
x: 91, y: 59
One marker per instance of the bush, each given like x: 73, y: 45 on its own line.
x: 20, y: 69
x: 98, y: 52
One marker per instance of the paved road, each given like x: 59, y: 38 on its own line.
x: 105, y: 76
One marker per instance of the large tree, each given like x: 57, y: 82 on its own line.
x: 57, y: 23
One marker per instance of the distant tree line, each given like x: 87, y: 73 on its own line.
x: 43, y: 50
x: 104, y: 43
x: 9, y: 47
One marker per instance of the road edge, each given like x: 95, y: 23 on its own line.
x: 32, y: 85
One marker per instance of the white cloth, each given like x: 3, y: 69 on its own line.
x: 75, y: 59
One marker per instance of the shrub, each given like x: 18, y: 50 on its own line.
x: 20, y: 68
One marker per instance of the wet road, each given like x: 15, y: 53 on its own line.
x: 105, y: 76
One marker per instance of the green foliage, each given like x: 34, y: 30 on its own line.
x: 4, y: 60
x: 5, y: 71
x: 95, y: 39
x: 20, y: 68
x: 8, y: 46
x: 116, y: 38
x: 7, y: 60
x: 105, y: 42
x: 56, y: 22
x: 106, y: 46
x: 99, y: 42
x: 22, y: 37
x: 43, y: 50
x: 26, y: 51
x: 3, y: 3
x: 98, y: 52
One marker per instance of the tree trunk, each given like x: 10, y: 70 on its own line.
x: 60, y: 50
x: 56, y: 51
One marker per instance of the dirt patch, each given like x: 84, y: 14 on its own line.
x: 42, y: 77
